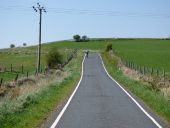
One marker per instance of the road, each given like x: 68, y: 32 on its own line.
x: 100, y: 103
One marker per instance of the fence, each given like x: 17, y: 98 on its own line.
x: 11, y: 68
x: 21, y: 72
x: 144, y: 69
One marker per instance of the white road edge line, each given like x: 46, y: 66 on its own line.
x: 143, y: 110
x: 69, y: 100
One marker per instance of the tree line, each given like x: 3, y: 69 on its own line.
x: 13, y: 45
x: 78, y: 38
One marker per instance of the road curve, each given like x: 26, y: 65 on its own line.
x: 100, y: 103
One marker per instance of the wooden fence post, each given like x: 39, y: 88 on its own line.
x: 140, y: 70
x: 27, y: 74
x: 133, y: 66
x: 163, y: 72
x: 22, y: 68
x: 16, y: 78
x: 163, y: 76
x: 143, y: 70
x: 1, y: 82
x: 11, y: 68
x: 157, y: 72
x: 152, y: 71
x: 125, y: 63
x: 147, y: 70
x: 136, y: 67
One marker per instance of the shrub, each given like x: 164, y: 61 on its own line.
x: 54, y: 58
x: 108, y: 47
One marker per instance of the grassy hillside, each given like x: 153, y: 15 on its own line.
x: 94, y: 45
x: 144, y: 52
x: 26, y: 57
x: 151, y: 53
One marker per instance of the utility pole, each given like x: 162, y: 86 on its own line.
x: 39, y: 9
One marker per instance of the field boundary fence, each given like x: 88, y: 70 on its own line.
x: 145, y: 70
x: 155, y: 76
x: 22, y: 72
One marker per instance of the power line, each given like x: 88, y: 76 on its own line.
x: 14, y: 8
x: 106, y: 13
x: 71, y: 11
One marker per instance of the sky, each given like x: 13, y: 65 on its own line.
x: 19, y: 23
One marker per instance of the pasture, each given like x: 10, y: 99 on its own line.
x: 152, y: 53
x: 149, y: 52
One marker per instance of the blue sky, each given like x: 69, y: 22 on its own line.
x: 94, y: 18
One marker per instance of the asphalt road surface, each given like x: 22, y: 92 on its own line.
x: 100, y: 103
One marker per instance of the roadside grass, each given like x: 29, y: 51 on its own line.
x: 39, y: 107
x: 154, y: 99
x: 30, y: 110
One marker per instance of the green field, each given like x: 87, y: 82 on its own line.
x: 94, y: 45
x: 150, y: 53
x: 23, y: 56
x: 144, y: 52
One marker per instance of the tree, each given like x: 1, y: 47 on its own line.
x: 84, y: 38
x: 77, y: 38
x: 54, y: 58
x: 12, y: 46
x: 24, y: 44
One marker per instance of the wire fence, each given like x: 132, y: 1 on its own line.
x: 145, y: 70
x: 20, y: 71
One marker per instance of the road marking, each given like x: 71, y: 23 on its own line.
x: 143, y: 110
x: 69, y: 100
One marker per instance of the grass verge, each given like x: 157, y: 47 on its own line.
x: 154, y: 99
x: 37, y: 106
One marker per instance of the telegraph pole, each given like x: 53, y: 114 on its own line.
x: 39, y: 9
